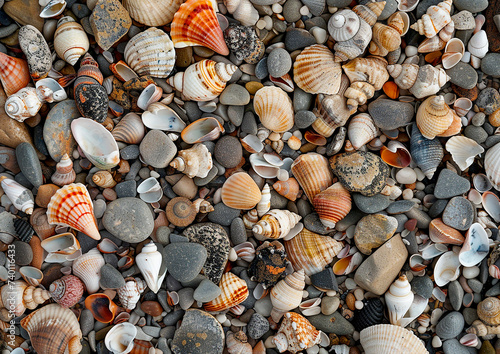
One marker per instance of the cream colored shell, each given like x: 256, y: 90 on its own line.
x: 274, y: 108
x: 152, y: 12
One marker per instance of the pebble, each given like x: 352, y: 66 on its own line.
x: 238, y: 232
x: 279, y: 61
x: 228, y: 151
x: 86, y: 322
x: 475, y: 285
x: 185, y: 260
x: 80, y: 10
x: 111, y: 278
x: 370, y: 205
x: 453, y: 346
x: 423, y: 220
x: 490, y: 64
x: 206, y: 291
x: 422, y: 286
x: 264, y: 306
x: 302, y: 101
x: 297, y: 38
x: 463, y: 75
x: 488, y: 100
x: 389, y: 114
x: 249, y: 125
x: 152, y: 331
x: 406, y: 176
x: 314, y: 224
x: 471, y: 5
x: 110, y: 21
x: 373, y: 230
x: 29, y: 164
x: 338, y: 3
x: 223, y: 214
x: 329, y: 304
x: 57, y: 129
x: 463, y: 20
x: 449, y: 184
x: 186, y: 297
x: 157, y: 149
x: 23, y: 254
x: 456, y: 294
x: 126, y: 189
x: 334, y: 323
x: 304, y: 119
x: 236, y: 114
x: 152, y: 308
x: 450, y: 325
x: 291, y: 10
x: 235, y: 95
x: 130, y: 152
x: 257, y: 326
x: 459, y: 213
x: 400, y: 206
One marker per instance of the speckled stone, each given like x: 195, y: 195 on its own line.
x: 463, y: 20
x: 228, y: 151
x: 279, y: 61
x: 490, y: 64
x: 157, y: 149
x: 37, y: 51
x: 371, y: 205
x: 223, y: 215
x: 373, y: 230
x: 459, y: 213
x: 304, y: 119
x: 110, y: 21
x: 111, y: 278
x: 400, y: 206
x: 57, y: 129
x: 23, y: 254
x: 449, y: 184
x: 257, y: 326
x: 463, y: 75
x: 390, y: 114
x: 471, y: 5
x: 488, y: 100
x: 238, y: 232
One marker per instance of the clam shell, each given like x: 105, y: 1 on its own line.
x: 447, y: 268
x: 70, y: 40
x: 33, y: 276
x: 481, y: 182
x: 203, y: 129
x: 87, y: 267
x: 476, y: 246
x: 439, y: 232
x: 313, y: 174
x: 385, y: 338
x: 240, y: 192
x: 449, y: 60
x: 274, y: 108
x: 286, y: 295
x: 61, y: 247
x: 103, y: 309
x: 491, y: 203
x: 53, y: 8
x: 129, y: 129
x: 149, y: 262
x: 398, y: 299
x: 14, y: 74
x: 67, y: 290
x: 332, y: 204
x: 361, y: 130
x: 463, y: 150
x: 434, y: 117
x: 233, y: 292
x: 488, y: 311
x: 252, y: 144
x: 478, y: 44
x: 492, y: 165
x: 149, y: 95
x: 407, y: 5
x: 162, y: 117
x: 263, y: 168
x: 151, y: 12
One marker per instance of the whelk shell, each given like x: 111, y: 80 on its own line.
x: 129, y: 129
x: 276, y: 224
x: 65, y: 174
x: 435, y: 118
x: 371, y: 70
x: 398, y: 299
x: 463, y: 150
x: 288, y: 189
x: 274, y: 108
x: 194, y: 162
x: 296, y: 334
x: 286, y: 295
x: 149, y: 262
x: 361, y: 130
x: 436, y: 18
x: 426, y: 153
x: 130, y: 293
x: 70, y: 40
x: 20, y: 196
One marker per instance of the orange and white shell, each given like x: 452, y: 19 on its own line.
x: 386, y: 338
x: 296, y: 334
x: 240, y: 192
x: 286, y: 295
x: 65, y: 174
x: 387, y: 38
x: 313, y: 173
x: 275, y: 224
x: 193, y: 162
x: 130, y: 293
x: 439, y: 232
x: 236, y: 343
x: 492, y: 165
x: 288, y: 189
x: 233, y: 292
x: 264, y: 204
x: 333, y: 204
x: 129, y: 129
x: 436, y: 18
x: 17, y: 296
x: 70, y: 40
x: 371, y: 70
x: 274, y: 108
x: 87, y: 267
x: 152, y: 12
x: 24, y: 104
x: 103, y: 179
x: 14, y: 73
x: 361, y: 130
x: 434, y: 117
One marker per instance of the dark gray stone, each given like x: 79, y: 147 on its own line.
x: 29, y: 164
x: 297, y: 38
x: 400, y: 206
x: 463, y: 75
x: 490, y: 64
x: 459, y: 213
x: 111, y: 278
x: 449, y: 184
x: 228, y: 151
x: 223, y: 214
x: 185, y: 260
x: 334, y: 323
x: 126, y: 189
x: 371, y: 205
x: 325, y: 280
x: 450, y: 325
x: 390, y: 114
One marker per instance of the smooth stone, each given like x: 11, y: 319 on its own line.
x: 450, y: 325
x: 390, y: 114
x: 29, y: 164
x: 494, y: 290
x: 111, y: 278
x: 487, y: 348
x: 261, y: 69
x: 257, y: 326
x: 374, y: 230
x: 23, y: 254
x: 422, y: 286
x: 110, y: 21
x: 206, y: 291
x: 314, y: 224
x: 200, y: 182
x: 325, y: 280
x: 334, y: 323
x: 455, y: 294
x: 470, y: 315
x: 423, y: 220
x: 249, y: 125
x: 185, y: 187
x: 228, y: 151
x: 152, y: 331
x: 238, y: 232
x: 475, y: 285
x: 24, y: 12
x: 57, y: 129
x: 463, y: 75
x: 235, y: 95
x: 86, y: 322
x: 350, y: 219
x: 459, y: 213
x: 437, y: 208
x: 157, y: 149
x: 338, y: 3
x: 186, y: 298
x: 278, y: 201
x: 471, y: 5
x: 329, y: 304
x: 291, y: 11
x: 453, y: 346
x: 304, y: 119
x: 449, y: 184
x: 199, y: 333
x: 464, y: 35
x: 488, y: 100
x: 185, y: 260
x: 402, y: 219
x: 302, y: 101
x: 129, y: 219
x: 478, y: 134
x: 297, y: 38
x: 223, y: 215
x: 36, y: 50
x: 371, y: 205
x: 279, y: 61
x: 130, y: 152
x: 173, y: 317
x: 375, y: 274
x: 490, y: 64
x: 400, y: 206
x: 464, y: 20
x: 80, y: 10
x: 126, y: 189
x: 236, y: 114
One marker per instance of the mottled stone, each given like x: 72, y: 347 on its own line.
x: 459, y: 213
x: 25, y: 12
x: 390, y: 114
x: 333, y: 323
x: 57, y: 129
x: 36, y: 50
x: 110, y: 22
x: 157, y: 149
x: 373, y: 230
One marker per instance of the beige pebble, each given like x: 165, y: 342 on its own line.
x: 277, y: 8
x: 407, y: 194
x: 232, y: 255
x: 358, y: 305
x: 359, y: 294
x: 261, y: 24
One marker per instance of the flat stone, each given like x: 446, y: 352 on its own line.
x: 338, y: 3
x: 455, y: 294
x: 23, y: 254
x: 459, y: 213
x: 453, y: 346
x: 238, y: 232
x: 126, y: 189
x: 235, y: 95
x: 437, y: 208
x: 400, y: 206
x: 422, y: 286
x: 185, y: 260
x: 297, y: 38
x: 371, y: 205
x: 249, y: 125
x: 334, y: 323
x: 373, y: 230
x: 423, y: 220
x: 376, y: 274
x: 488, y: 100
x: 463, y: 75
x: 304, y: 119
x: 206, y: 291
x: 279, y: 61
x: 449, y: 184
x: 157, y: 149
x: 57, y: 129
x: 325, y: 280
x: 329, y: 304
x: 390, y: 114
x: 302, y: 101
x: 29, y: 164
x: 223, y: 215
x: 236, y: 114
x: 257, y: 326
x: 291, y: 10
x: 110, y: 21
x: 450, y: 325
x: 111, y: 278
x: 478, y: 134
x: 471, y: 5
x: 25, y: 12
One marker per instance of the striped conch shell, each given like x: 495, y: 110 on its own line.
x: 333, y: 204
x: 436, y: 18
x: 371, y: 70
x: 265, y: 201
x: 17, y: 296
x: 130, y: 293
x: 233, y: 292
x: 296, y: 334
x: 387, y: 38
x: 436, y: 118
x: 70, y: 40
x: 398, y: 299
x: 286, y: 295
x: 274, y: 108
x: 275, y: 224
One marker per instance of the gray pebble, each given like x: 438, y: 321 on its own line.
x: 371, y: 205
x: 389, y: 114
x: 130, y: 152
x: 23, y: 254
x: 80, y: 10
x: 99, y: 208
x: 312, y: 223
x: 453, y: 346
x: 492, y: 140
x: 437, y: 208
x: 223, y: 214
x: 126, y: 189
x: 173, y: 317
x: 257, y: 326
x: 103, y: 65
x: 235, y: 114
x: 185, y: 260
x: 338, y: 3
x: 291, y: 10
x: 152, y: 331
x: 86, y: 322
x: 470, y: 315
x: 304, y: 119
x: 111, y: 278
x: 157, y: 149
x: 134, y: 169
x: 334, y: 323
x: 490, y: 64
x: 279, y: 61
x: 192, y: 110
x: 186, y: 298
x: 422, y: 286
x: 450, y: 184
x: 261, y: 68
x: 206, y: 291
x: 494, y: 290
x: 463, y: 20
x: 402, y: 219
x: 238, y: 232
x: 6, y: 31
x: 463, y: 75
x: 228, y: 151
x: 329, y: 304
x: 302, y: 101
x: 174, y: 238
x: 278, y: 201
x: 456, y: 294
x: 464, y: 35
x: 450, y: 325
x: 424, y: 5
x: 478, y: 119
x: 279, y: 25
x: 400, y: 206
x: 350, y: 219
x: 475, y: 285
x: 471, y: 5
x: 200, y: 182
x: 249, y: 125
x: 297, y: 38
x: 111, y: 259
x: 29, y: 164
x: 235, y: 95
x: 459, y: 213
x: 423, y: 220
x: 488, y: 100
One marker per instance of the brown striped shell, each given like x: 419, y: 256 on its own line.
x: 286, y: 295
x: 274, y: 108
x: 233, y: 292
x: 434, y: 117
x: 333, y: 204
x: 313, y: 174
x: 129, y: 129
x: 488, y: 311
x: 439, y: 232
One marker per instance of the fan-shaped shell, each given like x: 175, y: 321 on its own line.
x: 67, y: 290
x: 240, y: 192
x: 129, y: 129
x: 463, y: 150
x: 233, y: 292
x: 152, y: 12
x: 492, y: 165
x: 288, y: 189
x: 385, y: 338
x: 87, y: 267
x: 398, y: 299
x: 274, y: 108
x: 434, y: 117
x: 14, y: 73
x: 195, y: 23
x: 70, y: 40
x: 333, y: 204
x: 488, y: 311
x: 151, y: 53
x: 372, y: 70
x: 203, y: 129
x: 286, y: 295
x: 361, y: 130
x: 296, y: 333
x: 313, y: 174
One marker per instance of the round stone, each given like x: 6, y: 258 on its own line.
x: 206, y: 291
x: 223, y: 215
x: 490, y: 64
x: 235, y: 95
x: 228, y: 151
x: 450, y: 325
x: 185, y: 260
x: 111, y: 278
x: 157, y: 149
x: 279, y: 61
x: 23, y: 254
x: 459, y: 213
x: 238, y: 232
x: 389, y: 114
x: 304, y: 119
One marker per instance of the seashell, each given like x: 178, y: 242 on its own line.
x: 150, y: 94
x: 245, y: 251
x: 263, y: 168
x: 447, y: 268
x: 286, y: 295
x: 315, y: 70
x: 152, y: 13
x: 488, y: 311
x: 478, y: 44
x: 150, y: 190
x: 431, y: 45
x: 407, y: 5
x: 23, y: 230
x: 87, y: 267
x: 332, y: 204
x: 61, y: 248
x: 313, y: 174
x: 275, y: 224
x: 67, y: 290
x: 371, y: 314
x: 463, y: 150
x: 252, y: 144
x: 149, y: 262
x: 202, y: 81
x: 103, y: 179
x: 240, y: 192
x: 120, y: 339
x: 102, y: 307
x: 265, y: 201
x: 453, y: 53
x: 162, y: 117
x: 233, y: 292
x: 19, y: 296
x: 481, y: 182
x: 96, y: 142
x: 387, y: 38
x: 426, y: 153
x: 64, y: 172
x: 122, y: 71
x: 33, y: 276
x: 130, y: 293
x: 242, y: 11
x: 371, y: 70
x: 311, y: 252
x: 447, y: 32
x: 53, y: 8
x: 50, y: 90
x: 358, y: 94
x: 398, y: 299
x: 71, y: 206
x: 475, y: 247
x: 14, y: 74
x: 462, y: 106
x: 194, y: 162
x: 361, y: 130
x: 24, y: 104
x: 35, y: 47
x: 236, y: 343
x: 436, y: 18
x: 151, y: 53
x: 491, y: 203
x: 395, y: 154
x: 288, y: 189
x: 420, y: 81
x: 53, y: 329
x: 492, y: 165
x: 195, y: 23
x: 203, y: 129
x: 310, y: 307
x: 38, y: 220
x: 129, y: 129
x: 70, y: 40
x: 274, y: 108
x: 439, y: 232
x: 180, y: 211
x: 347, y: 264
x: 434, y: 117
x: 386, y: 338
x: 296, y: 334
x: 20, y: 196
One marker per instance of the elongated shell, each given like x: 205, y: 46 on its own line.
x: 361, y: 130
x: 65, y: 174
x: 333, y: 204
x: 315, y: 71
x: 152, y: 13
x: 195, y: 23
x: 53, y: 329
x: 372, y: 70
x: 436, y: 18
x: 71, y: 206
x: 488, y: 311
x: 233, y: 292
x: 149, y: 263
x: 492, y: 165
x: 385, y: 338
x: 275, y: 224
x: 129, y: 129
x: 296, y: 334
x: 67, y: 290
x: 240, y: 192
x: 203, y: 129
x: 194, y: 162
x: 274, y: 108
x: 434, y: 117
x: 87, y: 267
x: 14, y: 73
x: 398, y: 299
x: 70, y: 40
x: 286, y: 295
x: 463, y: 150
x: 20, y: 196
x: 19, y: 296
x: 264, y: 204
x: 151, y: 53
x: 426, y: 153
x: 313, y: 174
x: 130, y: 293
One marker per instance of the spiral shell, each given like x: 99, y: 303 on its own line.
x: 488, y: 311
x: 152, y: 13
x: 70, y: 40
x: 194, y: 162
x: 180, y: 211
x: 130, y: 293
x: 24, y: 104
x: 436, y: 18
x: 426, y: 153
x: 286, y: 295
x: 264, y: 204
x: 240, y: 192
x: 288, y: 189
x: 332, y: 204
x: 67, y: 290
x: 103, y: 179
x: 275, y: 224
x: 492, y: 165
x: 398, y: 299
x: 387, y: 38
x: 274, y: 108
x: 20, y: 196
x: 313, y: 174
x: 14, y: 74
x: 296, y: 334
x: 434, y: 117
x: 87, y: 267
x: 361, y: 130
x: 371, y: 314
x: 129, y: 129
x: 233, y: 292
x: 149, y: 262
x: 236, y: 343
x: 65, y: 174
x: 421, y: 81
x: 372, y: 70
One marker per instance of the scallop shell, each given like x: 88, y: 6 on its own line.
x: 398, y: 299
x: 288, y: 189
x: 149, y: 263
x: 53, y: 329
x: 361, y: 130
x: 70, y: 40
x: 372, y: 70
x: 24, y: 104
x: 71, y: 206
x: 387, y: 38
x: 447, y: 268
x: 434, y: 117
x: 275, y: 224
x: 193, y: 162
x: 195, y: 23
x: 436, y: 18
x: 313, y: 173
x: 476, y: 246
x: 203, y: 129
x: 233, y: 292
x: 20, y: 196
x: 236, y: 343
x: 151, y: 53
x: 286, y: 295
x: 385, y: 338
x: 159, y: 116
x: 103, y: 179
x: 311, y: 252
x: 315, y: 71
x: 152, y: 12
x: 87, y: 267
x: 478, y: 44
x: 67, y: 290
x: 426, y: 153
x: 240, y: 192
x: 488, y: 311
x: 130, y: 293
x: 492, y: 165
x: 463, y: 150
x: 296, y: 334
x: 439, y: 232
x: 129, y: 129
x: 14, y: 73
x: 333, y: 204
x: 274, y: 108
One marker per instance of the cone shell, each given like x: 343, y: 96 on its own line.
x: 286, y: 295
x: 87, y: 267
x: 488, y: 311
x: 14, y: 74
x: 149, y: 262
x: 426, y: 153
x: 333, y: 204
x: 264, y: 204
x: 129, y: 129
x: 313, y: 174
x: 152, y: 13
x: 151, y: 53
x: 371, y: 70
x: 311, y: 252
x: 240, y: 192
x: 288, y: 189
x: 20, y: 196
x: 361, y: 130
x: 65, y: 174
x: 195, y: 23
x: 492, y: 165
x: 439, y: 232
x: 70, y: 40
x: 398, y: 299
x: 53, y: 329
x: 71, y: 206
x: 233, y: 292
x: 275, y: 224
x: 385, y: 338
x: 436, y: 18
x: 404, y: 75
x: 274, y: 108
x: 434, y: 117
x: 130, y: 293
x: 315, y: 71
x: 194, y: 162
x: 463, y: 150
x: 67, y: 290
x: 297, y: 333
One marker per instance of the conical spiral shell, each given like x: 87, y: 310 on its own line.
x: 333, y: 204
x: 129, y: 129
x: 149, y: 263
x: 313, y: 174
x: 71, y: 206
x: 233, y: 292
x: 343, y: 25
x: 67, y: 290
x: 488, y: 311
x: 286, y: 295
x: 275, y: 224
x: 315, y: 71
x: 426, y: 153
x: 404, y: 75
x: 264, y: 204
x: 398, y: 299
x: 195, y: 23
x: 53, y: 329
x: 361, y: 130
x: 387, y: 38
x: 236, y: 343
x: 372, y: 70
x: 70, y: 40
x: 434, y: 117
x: 240, y: 192
x: 20, y: 196
x: 194, y: 162
x: 152, y: 12
x: 103, y: 179
x: 274, y: 108
x: 296, y: 334
x: 385, y: 338
x: 151, y: 53
x: 288, y: 189
x: 87, y: 267
x: 14, y: 73
x: 18, y: 296
x: 436, y: 18
x: 311, y: 252
x: 65, y: 174
x: 130, y: 293
x: 370, y: 12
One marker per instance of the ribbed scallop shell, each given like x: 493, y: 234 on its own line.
x: 488, y: 311
x: 311, y: 252
x: 372, y: 70
x: 434, y: 117
x: 151, y: 53
x: 195, y: 23
x: 333, y: 204
x: 436, y: 18
x: 65, y: 174
x: 288, y: 189
x: 343, y: 25
x: 130, y: 293
x: 71, y: 206
x: 70, y: 40
x: 286, y: 295
x: 275, y: 224
x: 53, y: 329
x: 274, y: 108
x: 313, y: 173
x: 492, y: 165
x: 240, y: 192
x: 463, y: 150
x: 300, y: 334
x: 426, y: 153
x: 398, y: 299
x: 361, y: 130
x: 14, y: 73
x: 385, y: 338
x: 129, y: 129
x: 87, y: 267
x: 233, y: 292
x: 315, y: 71
x: 152, y: 12
x: 371, y: 314
x: 439, y: 232
x: 67, y: 290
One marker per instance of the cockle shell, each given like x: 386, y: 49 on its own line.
x: 387, y: 38
x: 203, y: 129
x: 243, y: 11
x: 67, y: 290
x: 130, y: 293
x: 492, y: 165
x: 286, y: 295
x: 361, y: 130
x: 476, y: 246
x: 488, y: 311
x: 71, y: 206
x: 288, y: 189
x: 421, y: 81
x: 434, y: 117
x: 311, y: 252
x: 398, y: 299
x: 332, y: 204
x: 436, y: 18
x: 439, y: 232
x: 478, y: 44
x: 203, y: 81
x: 149, y: 263
x: 447, y: 268
x: 14, y: 73
x: 20, y: 196
x: 87, y: 267
x: 463, y: 150
x: 152, y: 13
x: 151, y: 53
x: 274, y: 108
x: 194, y: 162
x: 275, y: 224
x: 240, y: 192
x: 313, y: 174
x: 386, y: 338
x: 129, y: 129
x: 103, y: 179
x: 233, y: 292
x: 24, y: 104
x: 264, y: 204
x: 296, y: 334
x: 236, y: 343
x: 70, y: 40
x: 162, y: 117
x: 195, y: 23
x: 426, y: 153
x: 64, y: 174
x: 315, y: 71
x: 53, y: 329
x: 371, y: 70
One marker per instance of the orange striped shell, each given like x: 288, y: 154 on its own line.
x: 233, y: 292
x: 274, y: 108
x: 434, y: 117
x: 288, y: 189
x: 240, y: 191
x: 14, y: 73
x: 299, y: 332
x: 333, y: 204
x: 313, y: 174
x: 439, y: 232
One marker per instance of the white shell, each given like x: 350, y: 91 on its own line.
x: 478, y: 44
x: 265, y: 201
x: 491, y: 204
x: 463, y: 150
x: 162, y: 117
x: 398, y: 299
x: 20, y: 196
x: 407, y: 5
x: 263, y: 168
x: 150, y: 190
x: 462, y: 106
x: 51, y: 90
x: 361, y: 130
x: 416, y: 309
x: 87, y: 267
x: 492, y: 165
x: 389, y: 339
x: 481, y: 182
x: 149, y: 263
x: 53, y: 8
x: 120, y: 339
x: 447, y: 268
x: 23, y: 104
x: 130, y: 293
x: 475, y: 247
x: 150, y: 94
x: 61, y: 248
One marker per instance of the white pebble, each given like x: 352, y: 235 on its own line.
x: 332, y: 9
x: 420, y: 174
x: 407, y: 194
x: 350, y: 284
x: 331, y: 293
x: 419, y: 186
x: 269, y: 23
x: 232, y: 255
x: 470, y: 272
x: 297, y: 134
x: 313, y: 350
x: 319, y: 34
x: 227, y: 323
x: 358, y: 304
x: 283, y: 175
x: 286, y: 136
x: 406, y: 176
x: 237, y: 323
x: 422, y: 329
x: 411, y: 50
x: 261, y: 24
x: 154, y: 174
x: 359, y: 294
x: 277, y: 8
x: 436, y: 342
x: 304, y: 11
x: 355, y: 336
x: 466, y: 57
x: 221, y: 318
x: 76, y: 155
x: 323, y: 351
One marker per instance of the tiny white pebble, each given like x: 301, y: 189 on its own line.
x: 358, y: 304
x: 383, y: 138
x: 154, y: 174
x: 221, y: 318
x: 331, y: 293
x: 227, y: 323
x: 261, y: 24
x: 319, y: 34
x: 407, y: 194
x: 286, y: 136
x: 359, y: 294
x: 232, y: 255
x: 419, y: 186
x: 332, y: 9
x: 419, y: 173
x: 436, y: 342
x: 422, y: 329
x: 406, y: 176
x: 76, y: 155
x: 283, y: 175
x: 470, y: 272
x: 277, y: 8
x: 411, y: 50
x: 304, y: 11
x: 355, y: 336
x: 313, y: 350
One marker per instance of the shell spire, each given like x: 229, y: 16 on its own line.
x: 398, y: 299
x: 286, y: 295
x: 421, y: 81
x: 265, y: 201
x: 436, y: 18
x: 194, y: 162
x: 65, y: 174
x: 275, y: 224
x: 20, y: 196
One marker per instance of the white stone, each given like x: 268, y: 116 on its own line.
x: 406, y: 176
